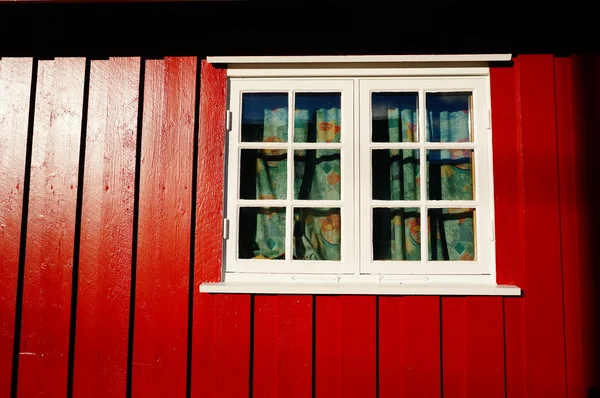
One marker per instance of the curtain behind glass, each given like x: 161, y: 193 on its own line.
x: 317, y: 176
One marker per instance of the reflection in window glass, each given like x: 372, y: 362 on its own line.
x: 317, y: 174
x: 262, y: 233
x: 264, y: 117
x: 450, y: 174
x: 394, y: 117
x: 263, y: 174
x: 317, y: 234
x: 453, y: 232
x: 317, y: 117
x: 395, y: 174
x: 449, y: 117
x: 396, y: 234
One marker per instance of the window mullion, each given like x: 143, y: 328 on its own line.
x: 289, y: 220
x: 423, y: 175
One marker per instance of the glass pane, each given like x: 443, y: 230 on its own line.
x: 396, y: 234
x: 262, y: 233
x: 263, y: 174
x: 450, y: 174
x: 317, y: 234
x: 317, y: 117
x: 317, y: 174
x: 264, y: 117
x: 395, y: 174
x: 454, y: 234
x: 449, y: 117
x: 394, y: 117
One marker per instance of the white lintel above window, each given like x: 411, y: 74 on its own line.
x: 360, y: 65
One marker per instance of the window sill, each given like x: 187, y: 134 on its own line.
x: 406, y: 289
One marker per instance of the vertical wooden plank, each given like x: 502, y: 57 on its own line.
x: 409, y: 347
x: 221, y: 346
x: 106, y: 229
x: 454, y: 347
x: 473, y: 347
x: 15, y: 88
x: 508, y: 199
x: 585, y: 101
x: 283, y: 346
x: 544, y: 328
x: 221, y: 324
x: 163, y: 251
x: 345, y: 358
x: 50, y: 231
x: 569, y: 220
x: 211, y: 161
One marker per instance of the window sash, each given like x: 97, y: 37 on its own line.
x: 356, y: 174
x: 346, y: 202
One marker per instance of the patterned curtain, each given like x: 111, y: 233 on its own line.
x: 316, y: 232
x: 316, y: 177
x: 397, y: 230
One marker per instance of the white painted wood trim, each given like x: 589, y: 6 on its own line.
x: 354, y: 70
x: 408, y: 289
x: 360, y: 58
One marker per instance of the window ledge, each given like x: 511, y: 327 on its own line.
x: 405, y: 289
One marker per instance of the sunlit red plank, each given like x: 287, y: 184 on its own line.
x: 15, y: 87
x: 106, y: 229
x: 163, y: 250
x: 51, y: 229
x: 409, y: 347
x: 283, y: 346
x: 345, y: 358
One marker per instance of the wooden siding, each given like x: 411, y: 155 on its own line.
x: 111, y: 200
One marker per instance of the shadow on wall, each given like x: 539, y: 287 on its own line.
x: 586, y: 113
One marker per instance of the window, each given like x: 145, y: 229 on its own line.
x: 334, y: 179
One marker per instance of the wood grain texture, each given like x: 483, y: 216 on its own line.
x: 210, y: 190
x: 345, y: 358
x: 163, y: 250
x: 15, y: 88
x: 50, y: 231
x: 221, y: 335
x: 106, y: 229
x: 283, y: 346
x: 221, y: 351
x: 409, y: 347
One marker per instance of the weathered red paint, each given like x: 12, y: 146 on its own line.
x: 221, y: 350
x: 409, y: 347
x: 283, y: 346
x: 50, y: 230
x: 345, y: 357
x: 163, y: 250
x: 210, y: 190
x: 15, y: 86
x: 107, y: 229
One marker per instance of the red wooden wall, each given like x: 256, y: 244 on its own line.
x: 111, y: 189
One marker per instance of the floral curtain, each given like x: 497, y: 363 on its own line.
x: 317, y: 176
x: 449, y: 177
x: 396, y: 176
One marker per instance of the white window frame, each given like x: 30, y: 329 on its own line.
x: 354, y: 78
